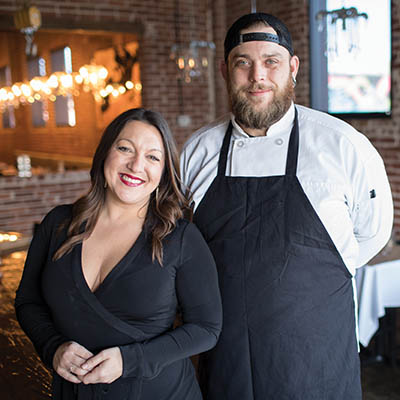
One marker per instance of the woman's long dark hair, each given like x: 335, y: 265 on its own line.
x: 164, y: 209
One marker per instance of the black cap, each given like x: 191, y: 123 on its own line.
x: 234, y: 37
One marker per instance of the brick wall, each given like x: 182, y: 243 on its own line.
x: 24, y: 202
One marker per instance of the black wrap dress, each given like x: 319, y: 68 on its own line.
x: 134, y: 308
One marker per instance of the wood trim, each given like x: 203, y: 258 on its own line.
x: 60, y: 159
x: 65, y: 24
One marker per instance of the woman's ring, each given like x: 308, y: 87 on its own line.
x: 70, y: 369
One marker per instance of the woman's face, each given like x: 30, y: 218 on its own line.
x: 134, y: 165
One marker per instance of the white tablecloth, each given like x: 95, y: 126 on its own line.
x: 378, y: 286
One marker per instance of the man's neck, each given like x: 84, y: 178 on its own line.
x: 254, y: 132
x: 251, y: 131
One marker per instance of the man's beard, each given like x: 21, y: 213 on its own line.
x: 246, y: 113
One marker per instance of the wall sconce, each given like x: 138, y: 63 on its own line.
x: 28, y: 20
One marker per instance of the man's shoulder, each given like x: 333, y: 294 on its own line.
x: 324, y: 120
x: 319, y: 123
x: 207, y: 134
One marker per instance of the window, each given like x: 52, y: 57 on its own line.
x: 61, y: 60
x: 351, y: 57
x: 8, y: 118
x: 37, y: 67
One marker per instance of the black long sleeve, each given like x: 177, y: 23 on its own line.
x: 32, y: 312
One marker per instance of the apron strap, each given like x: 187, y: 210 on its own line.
x: 293, y: 150
x: 223, y: 155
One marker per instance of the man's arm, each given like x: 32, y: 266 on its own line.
x: 373, y: 209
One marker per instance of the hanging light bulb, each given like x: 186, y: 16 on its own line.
x: 91, y: 78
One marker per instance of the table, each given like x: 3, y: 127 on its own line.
x: 378, y: 287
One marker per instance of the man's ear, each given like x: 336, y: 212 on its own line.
x: 294, y: 65
x: 224, y: 70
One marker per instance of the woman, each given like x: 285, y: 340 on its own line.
x: 104, y: 277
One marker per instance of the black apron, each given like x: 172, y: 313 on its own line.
x: 289, y: 323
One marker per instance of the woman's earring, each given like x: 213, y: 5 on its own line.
x: 105, y: 185
x: 294, y: 81
x: 157, y: 194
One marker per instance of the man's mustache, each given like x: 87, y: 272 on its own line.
x: 258, y: 86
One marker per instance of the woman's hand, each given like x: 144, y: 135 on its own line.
x: 104, y: 367
x: 68, y: 360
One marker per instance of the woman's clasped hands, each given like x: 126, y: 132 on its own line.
x: 76, y: 364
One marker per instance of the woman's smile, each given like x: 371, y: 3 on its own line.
x: 130, y: 180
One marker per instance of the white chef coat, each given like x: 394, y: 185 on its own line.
x: 341, y: 173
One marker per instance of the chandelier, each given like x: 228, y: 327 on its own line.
x: 192, y: 59
x: 90, y: 78
x: 343, y: 30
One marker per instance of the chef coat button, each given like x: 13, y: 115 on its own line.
x: 279, y: 141
x: 240, y: 144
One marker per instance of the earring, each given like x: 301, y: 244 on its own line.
x: 294, y: 81
x: 105, y: 184
x: 157, y: 194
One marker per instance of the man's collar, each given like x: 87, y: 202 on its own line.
x: 283, y: 125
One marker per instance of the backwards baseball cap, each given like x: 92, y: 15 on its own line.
x: 235, y: 38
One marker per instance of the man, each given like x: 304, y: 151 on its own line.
x: 291, y: 201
